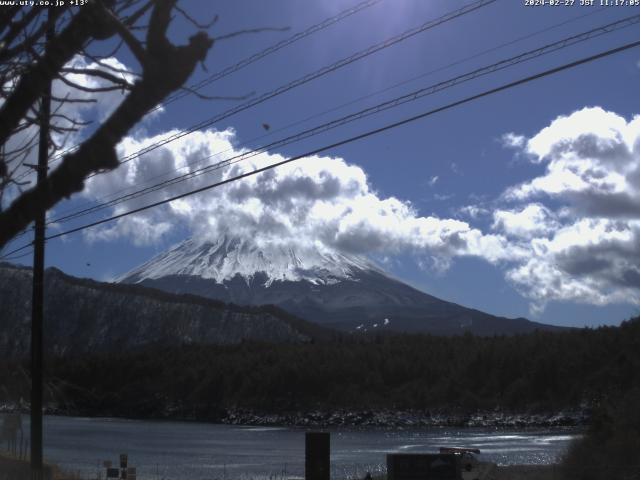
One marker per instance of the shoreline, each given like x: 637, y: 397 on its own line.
x: 383, y: 418
x: 408, y: 419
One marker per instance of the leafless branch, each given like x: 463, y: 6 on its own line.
x: 212, y: 97
x: 250, y: 31
x: 165, y: 68
x: 95, y: 72
x: 72, y: 121
x: 73, y: 100
x: 123, y: 85
x: 194, y: 22
x: 98, y: 58
x: 129, y: 39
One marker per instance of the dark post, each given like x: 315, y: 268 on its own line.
x: 37, y: 301
x: 317, y: 453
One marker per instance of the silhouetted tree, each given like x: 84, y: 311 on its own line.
x: 28, y: 64
x: 611, y: 446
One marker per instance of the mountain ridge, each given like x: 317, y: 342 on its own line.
x: 325, y: 287
x: 84, y: 315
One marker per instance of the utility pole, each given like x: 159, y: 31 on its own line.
x: 37, y: 300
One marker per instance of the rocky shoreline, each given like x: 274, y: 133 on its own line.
x: 384, y: 418
x: 407, y: 419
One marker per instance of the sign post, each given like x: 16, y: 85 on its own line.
x: 317, y: 456
x: 125, y: 472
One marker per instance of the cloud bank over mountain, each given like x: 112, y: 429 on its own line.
x: 569, y: 234
x: 317, y: 199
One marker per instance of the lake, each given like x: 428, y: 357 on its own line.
x: 200, y: 451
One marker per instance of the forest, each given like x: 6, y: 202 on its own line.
x: 538, y: 372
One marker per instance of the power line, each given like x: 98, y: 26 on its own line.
x: 274, y: 48
x: 316, y: 74
x: 415, y: 95
x: 17, y: 257
x: 104, y: 198
x: 352, y: 139
x: 250, y: 60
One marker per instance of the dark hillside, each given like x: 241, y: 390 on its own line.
x: 87, y: 316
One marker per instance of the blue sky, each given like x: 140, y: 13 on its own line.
x: 531, y: 211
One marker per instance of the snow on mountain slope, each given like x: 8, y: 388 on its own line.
x: 227, y: 257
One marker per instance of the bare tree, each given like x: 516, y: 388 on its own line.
x: 28, y: 63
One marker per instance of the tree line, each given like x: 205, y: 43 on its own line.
x: 542, y: 371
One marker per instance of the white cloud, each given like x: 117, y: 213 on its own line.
x: 432, y: 181
x: 531, y: 221
x: 513, y: 141
x: 584, y: 242
x: 473, y: 211
x: 593, y: 261
x: 315, y: 200
x: 591, y: 162
x: 140, y: 230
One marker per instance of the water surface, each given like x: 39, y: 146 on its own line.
x: 200, y: 451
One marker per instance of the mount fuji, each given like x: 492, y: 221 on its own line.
x: 336, y: 290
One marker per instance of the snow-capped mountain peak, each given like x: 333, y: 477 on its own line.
x: 313, y: 283
x: 224, y: 258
